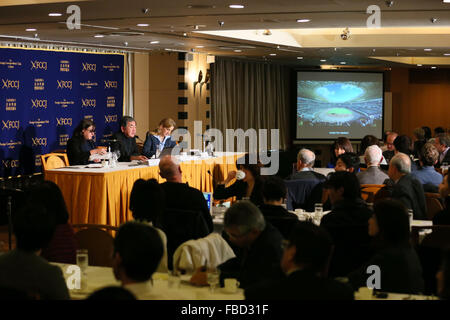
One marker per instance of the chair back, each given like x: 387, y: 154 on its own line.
x: 434, y: 204
x: 54, y: 161
x: 368, y: 191
x: 303, y: 193
x: 181, y: 226
x: 97, y: 241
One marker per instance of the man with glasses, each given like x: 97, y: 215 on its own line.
x: 389, y: 153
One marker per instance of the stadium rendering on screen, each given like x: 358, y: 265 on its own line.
x: 339, y: 104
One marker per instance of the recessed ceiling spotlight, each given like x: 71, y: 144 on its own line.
x: 446, y: 1
x: 30, y: 29
x: 427, y: 49
x: 142, y: 25
x: 154, y: 42
x: 55, y: 14
x: 447, y: 54
x: 199, y: 46
x: 433, y: 20
x: 98, y: 36
x: 272, y: 54
x: 303, y: 20
x: 237, y: 50
x: 323, y: 60
x: 185, y: 34
x: 419, y: 65
x: 299, y: 58
x: 348, y: 54
x: 433, y: 67
x: 236, y: 6
x: 343, y: 62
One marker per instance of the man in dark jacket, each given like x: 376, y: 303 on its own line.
x: 126, y: 141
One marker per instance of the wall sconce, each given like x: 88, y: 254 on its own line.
x: 199, y: 80
x: 207, y: 77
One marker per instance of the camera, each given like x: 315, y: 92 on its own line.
x: 345, y: 35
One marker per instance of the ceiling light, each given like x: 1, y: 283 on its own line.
x: 98, y: 36
x: 237, y: 50
x: 446, y: 1
x: 348, y: 54
x: 419, y: 65
x: 30, y: 29
x: 427, y: 49
x: 433, y: 67
x: 272, y: 54
x: 303, y: 20
x: 199, y: 46
x: 142, y: 25
x: 447, y: 54
x: 343, y: 62
x: 299, y: 58
x: 323, y: 60
x: 236, y: 6
x: 54, y: 14
x: 154, y: 42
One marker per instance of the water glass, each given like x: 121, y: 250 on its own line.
x: 82, y: 259
x: 213, y: 279
x: 411, y: 218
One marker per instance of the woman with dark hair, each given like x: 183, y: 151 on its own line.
x: 248, y: 182
x: 399, y: 266
x: 81, y: 146
x: 161, y: 139
x: 62, y: 248
x: 147, y: 204
x: 427, y: 132
x: 443, y: 277
x: 340, y: 146
x: 368, y: 141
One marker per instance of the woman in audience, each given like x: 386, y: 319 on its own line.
x: 81, y: 146
x: 399, y: 266
x: 426, y: 174
x: 62, y: 248
x: 340, y: 146
x: 443, y: 217
x: 161, y: 139
x: 419, y: 141
x: 248, y: 182
x: 147, y: 204
x: 403, y: 144
x: 427, y: 131
x: 443, y: 277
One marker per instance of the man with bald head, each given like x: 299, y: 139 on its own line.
x: 389, y: 153
x: 305, y: 164
x: 180, y: 195
x: 373, y: 175
x: 406, y: 188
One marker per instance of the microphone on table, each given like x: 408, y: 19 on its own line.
x: 137, y: 137
x: 108, y: 140
x: 213, y: 180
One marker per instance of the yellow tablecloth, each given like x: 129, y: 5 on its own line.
x: 103, y: 197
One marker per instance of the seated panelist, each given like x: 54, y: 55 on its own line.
x: 81, y: 146
x: 161, y: 139
x: 126, y: 141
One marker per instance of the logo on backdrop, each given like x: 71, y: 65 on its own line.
x: 110, y: 84
x: 90, y: 117
x: 10, y: 163
x: 64, y: 103
x: 39, y: 142
x: 110, y: 102
x: 11, y: 144
x: 38, y: 123
x: 11, y: 104
x: 63, y: 138
x: 111, y: 118
x: 64, y: 84
x: 11, y: 64
x: 39, y: 84
x: 110, y: 67
x: 39, y: 103
x: 89, y: 67
x: 85, y: 103
x: 37, y: 160
x: 9, y: 124
x: 88, y: 85
x: 38, y: 65
x: 64, y: 66
x: 64, y: 121
x: 10, y: 84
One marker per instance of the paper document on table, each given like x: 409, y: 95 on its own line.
x: 97, y: 156
x: 94, y: 165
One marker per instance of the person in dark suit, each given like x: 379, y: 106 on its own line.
x: 180, y: 195
x: 305, y: 164
x: 126, y: 141
x: 442, y: 144
x: 81, y: 146
x: 373, y: 174
x: 443, y: 277
x: 443, y: 217
x: 23, y: 269
x: 250, y: 186
x: 347, y: 223
x: 399, y: 265
x: 404, y: 187
x: 426, y: 174
x: 390, y: 149
x: 304, y: 262
x: 402, y: 144
x: 258, y: 245
x: 161, y: 139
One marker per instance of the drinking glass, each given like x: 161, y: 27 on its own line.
x: 82, y: 259
x: 318, y: 213
x: 213, y: 278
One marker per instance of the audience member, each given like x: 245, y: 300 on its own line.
x: 23, y: 269
x: 143, y: 193
x: 305, y: 164
x: 403, y: 144
x: 389, y: 153
x: 305, y: 259
x: 347, y: 223
x: 427, y: 132
x: 398, y: 262
x: 138, y: 250
x: 63, y: 246
x: 126, y: 141
x: 442, y: 144
x: 443, y: 277
x: 180, y: 195
x: 348, y: 161
x: 419, y: 141
x: 368, y: 141
x: 250, y: 186
x: 274, y: 192
x: 426, y: 174
x: 443, y: 217
x: 438, y: 130
x: 259, y: 246
x: 373, y: 174
x: 340, y: 146
x: 161, y: 139
x: 404, y: 187
x: 111, y: 294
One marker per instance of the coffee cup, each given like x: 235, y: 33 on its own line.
x: 231, y: 285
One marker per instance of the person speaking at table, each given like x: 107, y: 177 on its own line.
x: 161, y: 139
x: 126, y: 141
x: 81, y: 146
x: 248, y: 183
